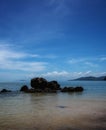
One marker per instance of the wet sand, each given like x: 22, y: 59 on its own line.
x: 85, y: 122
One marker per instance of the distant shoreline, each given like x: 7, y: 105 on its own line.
x: 85, y: 80
x: 90, y: 78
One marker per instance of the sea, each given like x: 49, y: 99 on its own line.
x: 54, y: 111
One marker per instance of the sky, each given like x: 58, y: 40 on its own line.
x: 54, y: 39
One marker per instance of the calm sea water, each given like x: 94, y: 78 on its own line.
x: 56, y: 111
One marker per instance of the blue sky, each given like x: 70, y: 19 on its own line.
x: 55, y: 39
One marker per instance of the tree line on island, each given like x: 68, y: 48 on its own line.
x: 41, y: 85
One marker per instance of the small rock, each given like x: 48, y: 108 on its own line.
x: 72, y: 89
x: 79, y: 89
x: 24, y: 88
x: 5, y: 90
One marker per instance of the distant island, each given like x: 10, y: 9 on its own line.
x: 90, y: 78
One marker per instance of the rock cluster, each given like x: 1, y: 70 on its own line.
x: 42, y: 85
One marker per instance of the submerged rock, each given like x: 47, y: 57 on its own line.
x: 68, y: 89
x: 79, y: 89
x: 72, y: 89
x: 5, y: 90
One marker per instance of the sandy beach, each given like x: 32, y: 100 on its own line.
x: 52, y: 112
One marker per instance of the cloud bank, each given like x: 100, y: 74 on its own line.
x: 14, y: 60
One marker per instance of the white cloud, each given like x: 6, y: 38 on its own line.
x: 7, y: 54
x: 103, y: 73
x: 88, y: 72
x: 85, y: 61
x: 32, y: 55
x: 74, y: 61
x: 103, y: 59
x: 60, y: 75
x: 91, y: 64
x: 15, y: 60
x: 56, y: 73
x: 23, y: 66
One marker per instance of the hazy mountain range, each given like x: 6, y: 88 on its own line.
x: 91, y: 78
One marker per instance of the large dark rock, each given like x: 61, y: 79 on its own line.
x: 5, y: 90
x: 24, y: 88
x: 39, y: 83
